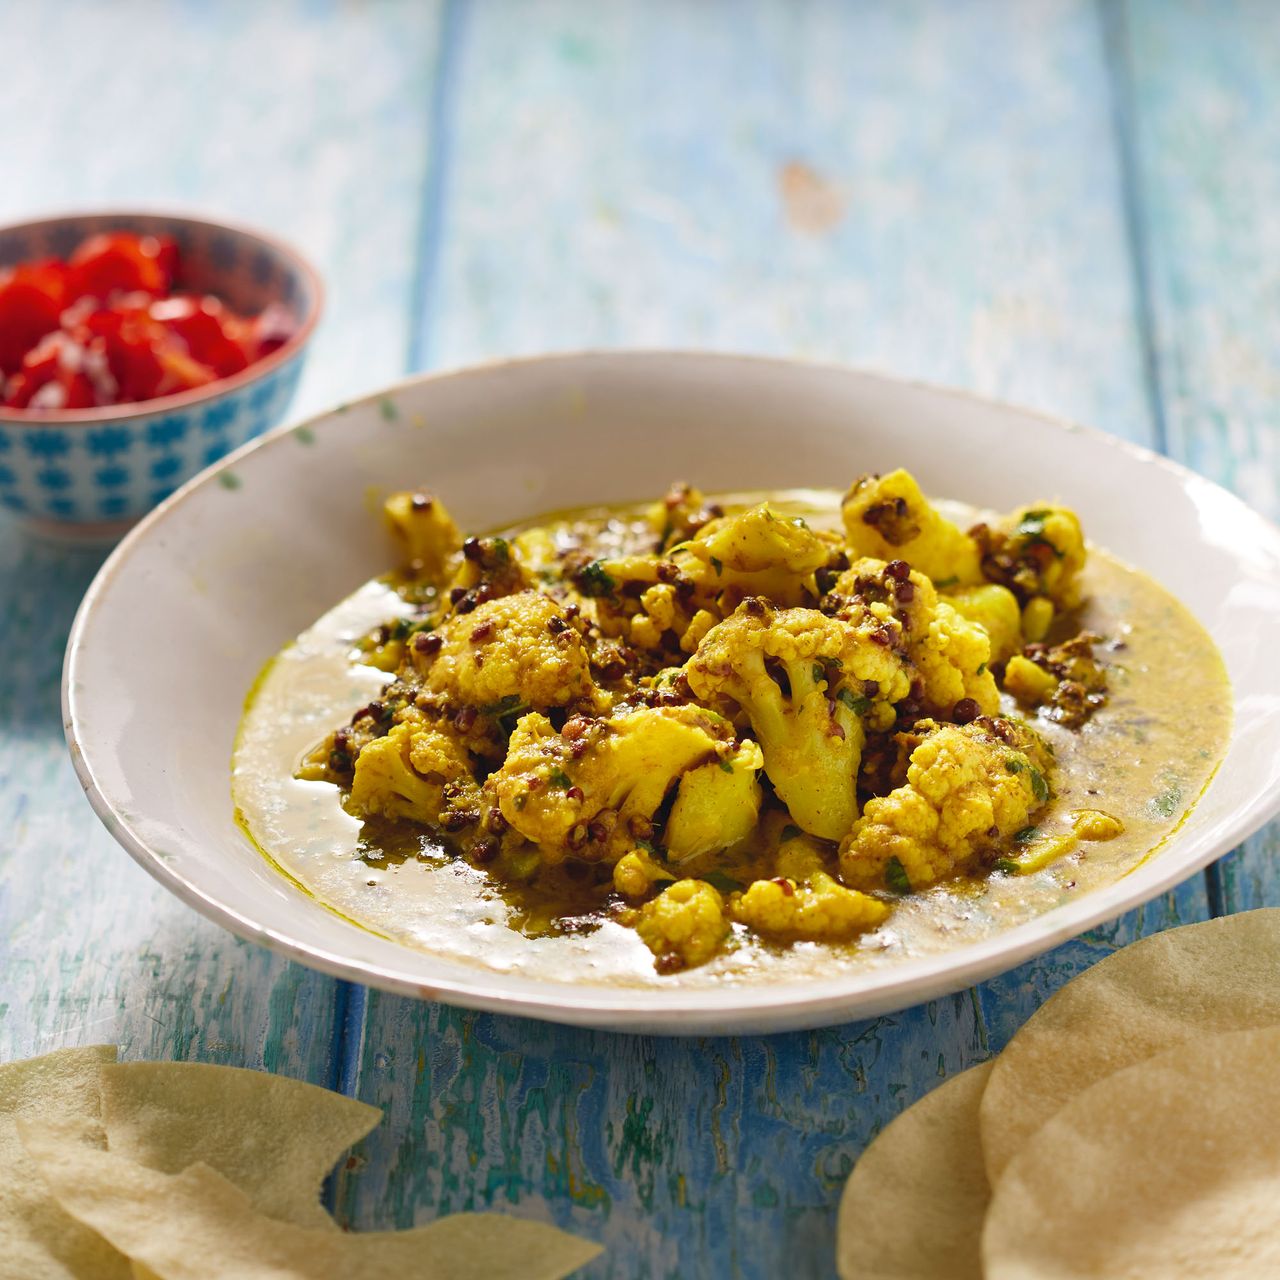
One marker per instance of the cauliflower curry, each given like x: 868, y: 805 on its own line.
x: 729, y: 729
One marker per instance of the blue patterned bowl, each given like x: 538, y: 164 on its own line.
x: 89, y: 473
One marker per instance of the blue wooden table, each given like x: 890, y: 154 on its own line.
x: 1066, y: 203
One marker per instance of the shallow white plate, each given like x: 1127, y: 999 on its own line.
x: 202, y: 593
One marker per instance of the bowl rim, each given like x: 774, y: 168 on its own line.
x: 196, y: 395
x: 757, y: 1008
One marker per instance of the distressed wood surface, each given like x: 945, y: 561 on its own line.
x: 1061, y: 202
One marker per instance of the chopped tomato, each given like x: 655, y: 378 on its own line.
x: 120, y: 262
x: 107, y: 328
x: 32, y: 296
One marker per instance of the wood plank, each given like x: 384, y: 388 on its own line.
x: 307, y: 119
x: 1200, y: 80
x: 932, y: 189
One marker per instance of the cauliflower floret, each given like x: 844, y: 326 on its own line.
x: 969, y: 787
x: 680, y: 514
x: 758, y: 552
x: 949, y: 654
x: 684, y: 925
x: 716, y: 805
x: 953, y: 658
x: 489, y: 568
x: 995, y: 609
x: 514, y: 652
x: 425, y: 532
x: 1035, y: 552
x: 592, y: 791
x: 635, y: 873
x: 818, y: 909
x: 811, y: 734
x: 889, y: 518
x: 413, y: 772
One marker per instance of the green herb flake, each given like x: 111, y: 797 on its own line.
x: 896, y: 878
x: 819, y: 671
x: 304, y: 435
x: 725, y: 884
x: 1039, y: 787
x: 387, y: 407
x: 717, y: 565
x: 982, y: 669
x: 943, y: 583
x: 594, y: 580
x: 229, y: 480
x: 726, y: 765
x: 1026, y: 835
x: 559, y: 778
x: 512, y: 703
x: 1167, y: 802
x: 1014, y: 764
x: 1008, y: 866
x: 854, y: 701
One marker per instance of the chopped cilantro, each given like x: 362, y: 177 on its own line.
x: 1014, y: 764
x: 854, y: 701
x: 512, y: 703
x: 1039, y: 787
x: 718, y: 880
x: 896, y: 878
x: 727, y: 766
x: 1031, y: 530
x: 982, y: 668
x: 593, y: 580
x: 1026, y: 835
x: 500, y: 549
x: 717, y: 565
x: 819, y: 671
x: 1008, y: 866
x: 560, y: 778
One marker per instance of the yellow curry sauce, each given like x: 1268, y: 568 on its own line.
x: 1142, y: 757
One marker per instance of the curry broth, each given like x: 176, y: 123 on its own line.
x: 1144, y: 758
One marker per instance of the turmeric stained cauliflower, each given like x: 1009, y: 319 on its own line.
x: 413, y: 773
x: 710, y: 723
x: 802, y: 680
x: 513, y: 652
x: 969, y: 787
x: 887, y: 517
x: 818, y: 910
x: 429, y: 540
x: 593, y: 790
x: 684, y: 925
x: 949, y: 655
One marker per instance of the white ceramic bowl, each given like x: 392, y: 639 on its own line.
x: 209, y: 586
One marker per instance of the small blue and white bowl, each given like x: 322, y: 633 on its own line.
x: 90, y: 473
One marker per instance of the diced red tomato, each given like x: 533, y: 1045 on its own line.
x: 32, y: 296
x: 117, y: 261
x: 106, y: 328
